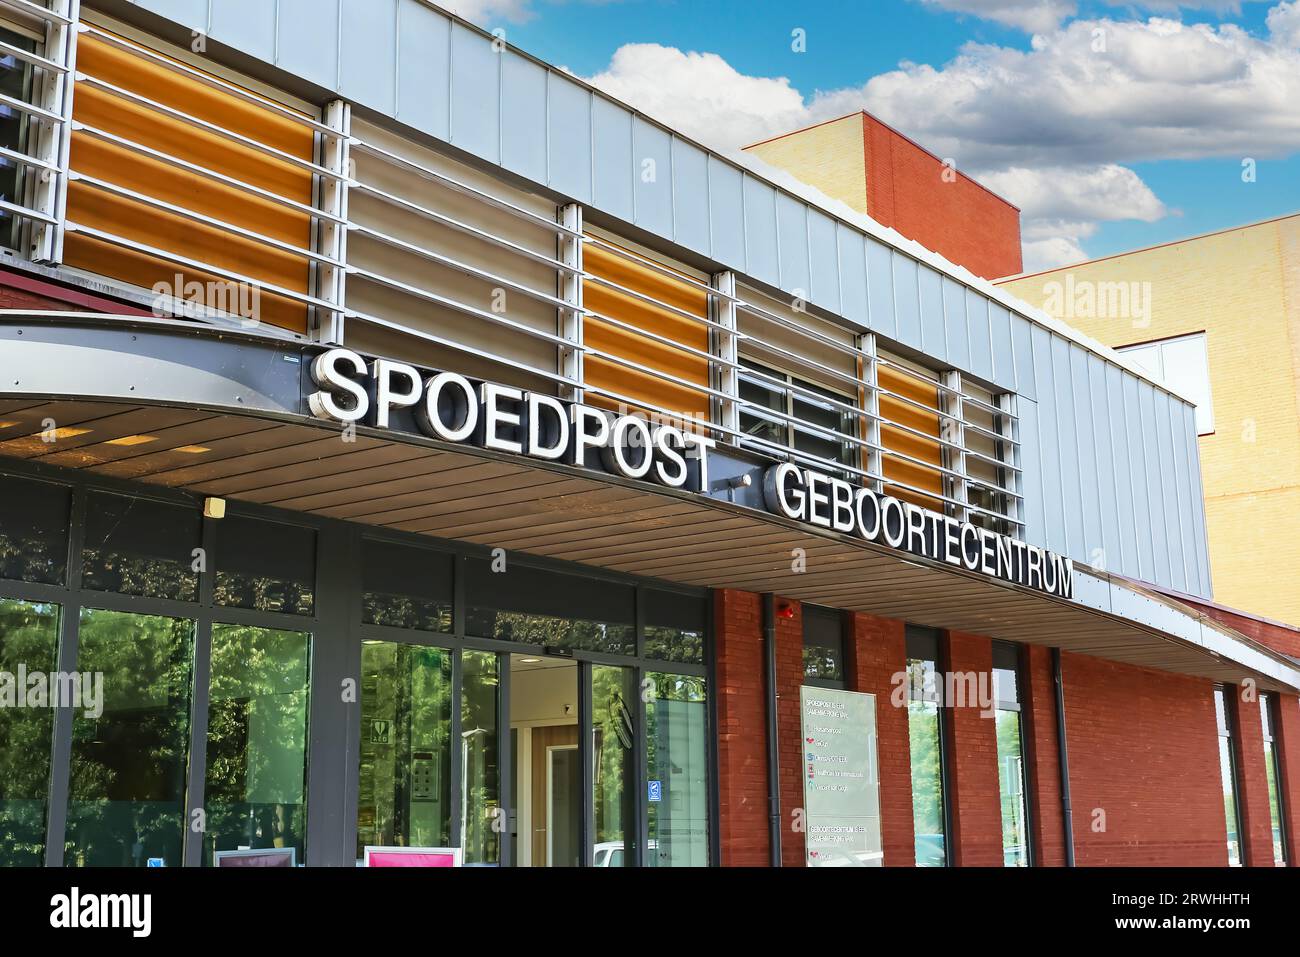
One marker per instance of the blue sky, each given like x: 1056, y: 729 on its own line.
x: 1138, y: 144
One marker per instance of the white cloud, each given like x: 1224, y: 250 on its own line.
x: 484, y: 12
x: 1032, y: 16
x: 1050, y: 127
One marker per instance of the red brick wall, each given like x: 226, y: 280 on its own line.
x: 742, y: 728
x: 1144, y: 750
x: 1042, y: 762
x: 1256, y: 825
x: 876, y: 654
x: 976, y: 814
x: 789, y: 679
x: 22, y: 291
x: 1271, y: 634
x: 960, y: 220
x: 1287, y: 739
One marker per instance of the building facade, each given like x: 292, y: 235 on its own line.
x: 1219, y: 317
x: 405, y: 448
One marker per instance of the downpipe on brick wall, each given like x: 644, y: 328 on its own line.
x: 773, y: 753
x: 1063, y: 758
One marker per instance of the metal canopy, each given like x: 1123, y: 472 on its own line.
x: 222, y: 413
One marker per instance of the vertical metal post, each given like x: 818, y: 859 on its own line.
x: 1010, y: 453
x: 871, y: 406
x: 505, y: 760
x: 953, y: 430
x: 586, y: 758
x: 1063, y: 757
x: 571, y: 317
x: 726, y: 376
x: 773, y: 750
x: 331, y: 280
x: 54, y: 93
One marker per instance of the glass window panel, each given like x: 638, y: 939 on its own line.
x: 674, y: 626
x: 33, y: 529
x: 137, y: 546
x: 613, y: 693
x: 406, y: 587
x: 550, y: 609
x: 16, y: 82
x: 127, y: 793
x: 255, y: 795
x: 480, y: 757
x: 266, y: 566
x: 1011, y: 786
x: 1228, y: 777
x: 1272, y: 772
x: 823, y: 644
x: 29, y: 639
x: 405, y: 762
x: 926, y: 753
x: 676, y: 762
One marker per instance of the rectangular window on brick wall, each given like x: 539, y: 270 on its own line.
x: 926, y: 745
x: 1011, y: 755
x: 823, y: 647
x: 1228, y: 775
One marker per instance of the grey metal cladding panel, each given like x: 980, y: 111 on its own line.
x: 1104, y: 464
x: 853, y: 275
x: 880, y: 287
x: 1155, y: 489
x: 1198, y: 501
x: 1137, y: 475
x: 691, y: 195
x: 191, y: 13
x: 1167, y: 475
x: 1125, y: 513
x: 423, y: 69
x: 568, y: 140
x: 1031, y: 477
x: 1089, y: 493
x: 1022, y: 343
x: 652, y: 184
x: 977, y: 332
x: 907, y: 300
x: 1004, y: 361
x: 1188, y: 513
x: 1071, y: 488
x: 612, y: 158
x: 247, y: 25
x: 1054, y: 505
x: 762, y: 250
x: 792, y: 240
x: 958, y: 338
x: 523, y: 116
x: 307, y: 38
x: 727, y: 214
x: 934, y: 340
x: 367, y: 67
x: 824, y: 261
x: 475, y: 94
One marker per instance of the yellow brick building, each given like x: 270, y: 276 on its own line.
x: 1241, y: 289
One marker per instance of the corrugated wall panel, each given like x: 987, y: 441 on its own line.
x: 1117, y: 435
x: 523, y: 116
x: 1054, y: 530
x: 1021, y: 332
x: 1068, y: 441
x: 1004, y: 360
x: 368, y: 59
x: 1089, y: 493
x: 652, y: 186
x: 956, y: 333
x: 852, y: 257
x: 691, y: 193
x: 307, y: 40
x: 1169, y: 487
x: 192, y: 13
x: 423, y: 69
x: 1186, y: 504
x: 792, y: 244
x: 613, y: 169
x: 726, y: 209
x: 475, y: 94
x: 907, y: 300
x: 1156, y: 490
x: 1138, y: 478
x: 824, y: 262
x: 762, y: 250
x: 880, y: 286
x: 1104, y: 463
x: 568, y: 140
x: 934, y: 338
x: 977, y: 330
x: 1198, y: 501
x: 1031, y: 477
x: 247, y: 25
